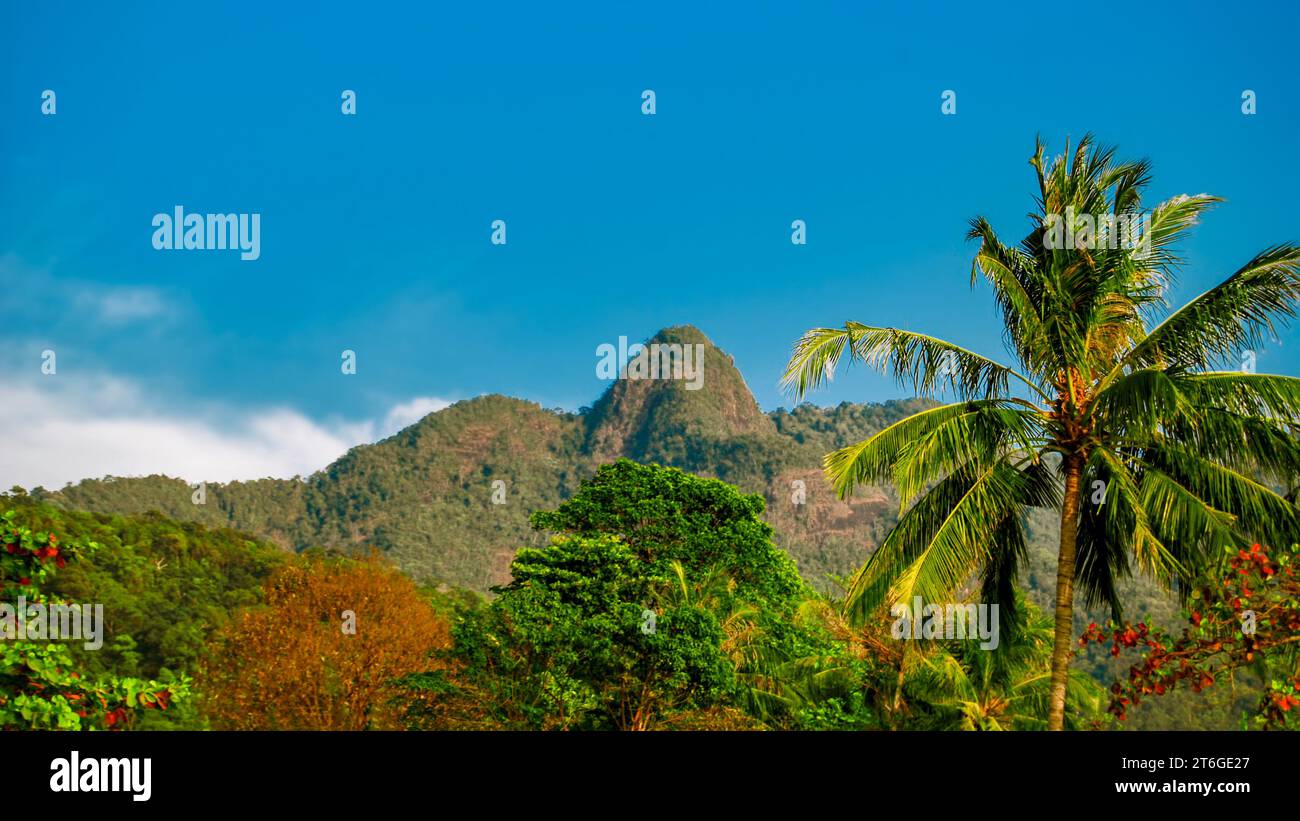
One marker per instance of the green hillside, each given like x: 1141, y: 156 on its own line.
x: 425, y: 496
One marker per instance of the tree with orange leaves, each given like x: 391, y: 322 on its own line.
x: 323, y: 652
x: 1241, y: 616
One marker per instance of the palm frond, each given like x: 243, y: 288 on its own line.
x: 940, y: 542
x: 1240, y: 312
x: 926, y: 363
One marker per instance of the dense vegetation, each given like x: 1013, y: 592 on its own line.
x: 325, y: 651
x: 660, y: 602
x: 164, y: 586
x: 44, y: 682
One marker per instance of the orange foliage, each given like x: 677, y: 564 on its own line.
x: 294, y: 665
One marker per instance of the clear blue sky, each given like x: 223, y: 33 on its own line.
x: 375, y: 228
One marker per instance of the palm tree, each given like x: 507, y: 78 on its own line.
x: 771, y: 683
x: 1181, y: 459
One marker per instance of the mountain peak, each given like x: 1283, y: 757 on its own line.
x: 679, y: 386
x: 682, y: 333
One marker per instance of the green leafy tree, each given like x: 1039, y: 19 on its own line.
x: 667, y: 515
x: 1182, y: 460
x: 576, y: 620
x: 42, y: 687
x: 660, y: 602
x: 711, y: 543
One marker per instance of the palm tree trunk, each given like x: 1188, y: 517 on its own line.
x: 1063, y: 646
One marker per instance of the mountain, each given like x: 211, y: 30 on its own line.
x: 448, y: 498
x: 648, y: 419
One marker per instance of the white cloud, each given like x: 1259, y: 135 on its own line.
x: 33, y: 290
x: 408, y: 413
x: 119, y: 306
x: 64, y: 431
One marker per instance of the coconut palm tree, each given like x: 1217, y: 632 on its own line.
x: 1154, y: 455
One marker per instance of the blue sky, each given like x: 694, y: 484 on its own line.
x: 375, y: 227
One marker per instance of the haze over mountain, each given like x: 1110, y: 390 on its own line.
x: 431, y: 496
